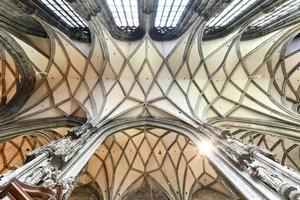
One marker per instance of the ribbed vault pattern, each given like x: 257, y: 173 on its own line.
x: 13, y: 152
x: 286, y: 75
x: 197, y: 81
x: 250, y: 85
x: 64, y: 87
x: 194, y: 80
x: 10, y: 77
x: 143, y: 158
x: 287, y: 151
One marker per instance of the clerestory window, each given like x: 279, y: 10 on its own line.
x: 168, y: 13
x: 230, y: 13
x: 283, y: 15
x: 66, y: 13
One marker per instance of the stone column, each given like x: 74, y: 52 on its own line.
x: 250, y: 169
x: 43, y: 165
x: 257, y: 162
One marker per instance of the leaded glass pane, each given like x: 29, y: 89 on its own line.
x: 124, y: 12
x: 63, y: 10
x: 169, y: 12
x: 230, y: 13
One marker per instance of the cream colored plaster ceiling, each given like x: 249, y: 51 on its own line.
x: 165, y: 161
x: 249, y: 85
x: 197, y: 81
x: 13, y: 152
x: 10, y: 77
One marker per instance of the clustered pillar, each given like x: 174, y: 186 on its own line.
x: 45, y: 166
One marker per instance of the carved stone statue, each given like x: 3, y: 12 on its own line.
x: 236, y: 151
x: 243, y: 153
x: 64, y: 149
x: 68, y: 186
x: 45, y: 149
x: 60, y: 152
x: 43, y: 174
x: 272, y: 180
x: 245, y: 150
x: 218, y: 131
x: 253, y: 149
x: 76, y: 132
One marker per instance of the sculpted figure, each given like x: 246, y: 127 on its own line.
x: 76, y: 132
x: 68, y: 186
x: 253, y: 148
x: 45, y: 175
x: 39, y: 174
x: 272, y: 180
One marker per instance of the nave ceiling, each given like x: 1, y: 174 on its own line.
x: 250, y: 87
x: 193, y: 81
x: 145, y: 160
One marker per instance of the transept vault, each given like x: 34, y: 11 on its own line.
x: 126, y: 119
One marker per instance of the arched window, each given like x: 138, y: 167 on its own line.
x: 205, y: 194
x: 231, y: 16
x: 149, y: 190
x: 171, y: 18
x: 59, y: 13
x: 124, y: 19
x: 284, y: 15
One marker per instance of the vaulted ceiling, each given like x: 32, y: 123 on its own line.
x: 166, y: 163
x: 227, y: 81
x: 13, y: 152
x: 240, y: 73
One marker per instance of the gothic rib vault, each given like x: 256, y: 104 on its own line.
x: 147, y: 105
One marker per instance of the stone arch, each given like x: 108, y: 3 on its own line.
x: 164, y: 169
x: 25, y: 68
x: 86, y: 192
x: 146, y: 189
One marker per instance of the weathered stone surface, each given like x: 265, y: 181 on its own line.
x: 208, y: 194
